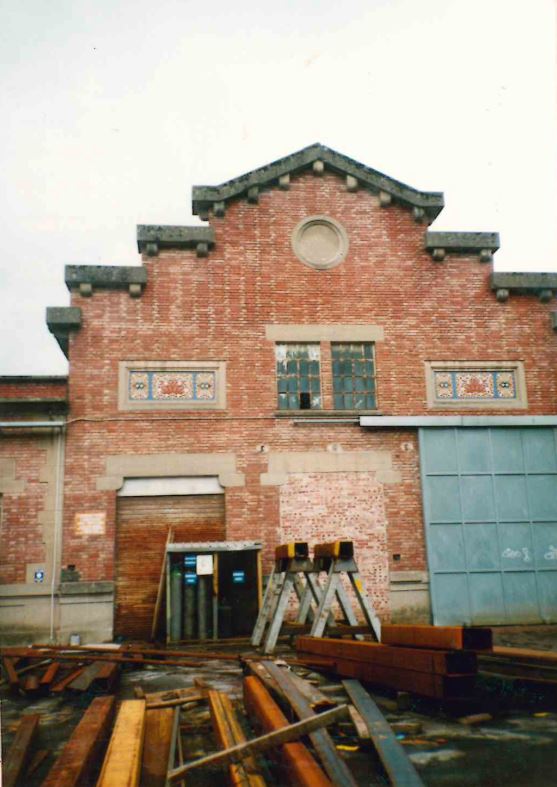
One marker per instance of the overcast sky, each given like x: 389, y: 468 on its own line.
x: 112, y: 109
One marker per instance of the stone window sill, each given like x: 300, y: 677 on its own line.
x: 324, y: 413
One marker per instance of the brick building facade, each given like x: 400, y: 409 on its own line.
x: 313, y: 363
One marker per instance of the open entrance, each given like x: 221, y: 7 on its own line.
x: 213, y: 590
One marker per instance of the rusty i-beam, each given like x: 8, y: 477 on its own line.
x: 296, y: 761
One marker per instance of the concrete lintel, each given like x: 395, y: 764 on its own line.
x: 161, y: 465
x: 417, y: 421
x: 281, y: 464
x: 86, y: 588
x: 324, y: 333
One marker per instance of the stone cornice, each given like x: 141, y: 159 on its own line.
x: 544, y: 285
x: 108, y: 277
x: 439, y: 244
x: 152, y: 237
x: 318, y: 158
x: 61, y: 321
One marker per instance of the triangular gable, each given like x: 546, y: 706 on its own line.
x: 319, y: 158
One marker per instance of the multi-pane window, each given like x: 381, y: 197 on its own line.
x: 298, y: 380
x: 353, y: 376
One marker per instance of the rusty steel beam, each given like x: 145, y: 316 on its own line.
x: 343, y: 550
x: 80, y: 754
x: 419, y: 660
x: 294, y: 549
x: 299, y: 766
x: 442, y: 637
x: 228, y: 734
x: 335, y: 767
x: 435, y: 674
x: 399, y: 768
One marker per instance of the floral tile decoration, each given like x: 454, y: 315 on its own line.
x: 467, y: 384
x: 163, y: 386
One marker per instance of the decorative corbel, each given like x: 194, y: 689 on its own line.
x: 152, y: 249
x: 202, y: 250
x: 284, y: 182
x: 351, y: 183
x: 419, y: 215
x: 318, y: 167
x: 86, y: 289
x: 385, y: 199
x: 253, y: 195
x: 219, y: 209
x: 486, y: 255
x: 438, y: 255
x: 545, y: 296
x: 502, y: 295
x: 135, y: 290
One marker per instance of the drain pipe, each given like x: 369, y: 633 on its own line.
x: 59, y: 494
x: 58, y: 517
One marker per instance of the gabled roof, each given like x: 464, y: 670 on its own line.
x: 207, y: 198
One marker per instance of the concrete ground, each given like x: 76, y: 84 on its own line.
x: 517, y: 747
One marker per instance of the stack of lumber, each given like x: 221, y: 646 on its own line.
x: 54, y: 671
x: 434, y: 662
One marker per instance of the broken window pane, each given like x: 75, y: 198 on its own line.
x: 298, y: 376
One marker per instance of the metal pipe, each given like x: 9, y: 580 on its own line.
x: 32, y: 424
x: 58, y: 522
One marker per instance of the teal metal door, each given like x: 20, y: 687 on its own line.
x: 490, y: 510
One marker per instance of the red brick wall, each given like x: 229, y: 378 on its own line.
x: 32, y: 389
x: 21, y: 535
x: 216, y: 309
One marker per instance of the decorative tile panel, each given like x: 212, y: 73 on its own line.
x: 475, y: 384
x: 172, y: 386
x: 164, y: 385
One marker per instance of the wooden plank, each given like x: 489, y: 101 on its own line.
x: 229, y: 734
x: 157, y: 609
x: 107, y: 676
x: 392, y: 755
x: 443, y: 637
x: 360, y: 726
x: 19, y: 753
x: 335, y: 767
x: 237, y: 753
x: 294, y: 759
x: 122, y: 763
x: 156, y: 748
x: 81, y: 752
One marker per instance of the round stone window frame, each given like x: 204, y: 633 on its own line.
x: 331, y: 224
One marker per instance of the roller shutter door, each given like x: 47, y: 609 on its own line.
x: 142, y: 528
x: 490, y: 508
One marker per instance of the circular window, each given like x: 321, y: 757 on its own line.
x: 320, y: 242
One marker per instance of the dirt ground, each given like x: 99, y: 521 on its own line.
x: 517, y: 747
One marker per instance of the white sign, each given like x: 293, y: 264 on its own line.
x: 92, y: 523
x: 204, y: 564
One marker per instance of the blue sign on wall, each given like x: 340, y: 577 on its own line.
x: 190, y: 578
x: 238, y: 577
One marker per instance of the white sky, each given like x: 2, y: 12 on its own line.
x: 112, y: 109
